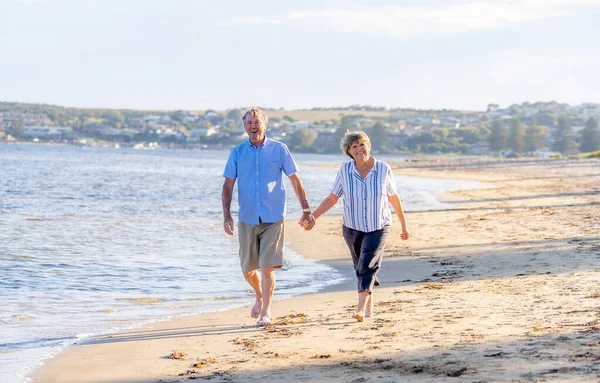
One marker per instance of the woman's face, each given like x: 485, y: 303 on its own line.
x: 359, y: 150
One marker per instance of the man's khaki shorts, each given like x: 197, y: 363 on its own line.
x: 260, y: 245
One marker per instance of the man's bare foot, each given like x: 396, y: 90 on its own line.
x: 359, y: 316
x: 265, y: 320
x: 370, y: 306
x: 255, y: 312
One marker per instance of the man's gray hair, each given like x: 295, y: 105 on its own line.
x: 350, y: 138
x: 256, y: 112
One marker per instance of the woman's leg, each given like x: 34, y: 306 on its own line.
x: 353, y: 240
x: 363, y: 296
x: 369, y: 307
x: 371, y: 255
x: 367, y: 252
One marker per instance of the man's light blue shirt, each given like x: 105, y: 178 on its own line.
x: 259, y: 172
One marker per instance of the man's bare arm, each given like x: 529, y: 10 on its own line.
x: 226, y: 196
x: 303, y: 199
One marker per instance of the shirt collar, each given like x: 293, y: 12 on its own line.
x: 261, y: 145
x: 373, y: 169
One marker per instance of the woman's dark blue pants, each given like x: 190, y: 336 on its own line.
x: 367, y: 254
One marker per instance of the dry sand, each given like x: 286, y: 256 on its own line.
x: 504, y: 287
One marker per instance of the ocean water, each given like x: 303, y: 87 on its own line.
x: 94, y: 240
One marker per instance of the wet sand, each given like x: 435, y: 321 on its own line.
x: 504, y: 287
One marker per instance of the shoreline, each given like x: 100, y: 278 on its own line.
x: 503, y: 287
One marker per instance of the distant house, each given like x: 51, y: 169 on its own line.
x: 498, y: 113
x: 397, y: 139
x: 101, y: 130
x: 399, y: 125
x: 47, y: 132
x: 409, y: 130
x: 590, y: 109
x: 471, y: 120
x: 9, y: 118
x: 327, y: 138
x: 492, y: 108
x: 198, y: 133
x: 213, y: 117
x: 189, y: 116
x: 107, y: 130
x: 211, y: 114
x: 421, y: 120
x: 300, y: 125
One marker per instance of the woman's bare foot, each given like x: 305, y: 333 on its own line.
x: 359, y: 316
x: 255, y: 312
x: 370, y: 306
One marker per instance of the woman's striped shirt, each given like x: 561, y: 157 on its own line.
x: 366, y: 205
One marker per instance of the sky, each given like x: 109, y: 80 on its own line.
x: 208, y: 54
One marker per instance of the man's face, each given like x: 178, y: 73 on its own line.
x: 256, y: 129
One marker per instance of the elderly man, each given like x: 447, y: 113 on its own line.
x: 259, y: 164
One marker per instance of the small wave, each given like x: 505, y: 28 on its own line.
x: 185, y: 307
x: 109, y: 311
x: 165, y: 268
x: 143, y: 301
x: 211, y: 299
x: 35, y: 343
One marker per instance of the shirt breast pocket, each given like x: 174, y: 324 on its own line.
x: 273, y: 167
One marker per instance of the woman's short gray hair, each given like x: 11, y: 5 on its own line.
x: 256, y: 112
x: 350, y: 138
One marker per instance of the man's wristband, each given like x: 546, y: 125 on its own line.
x: 306, y: 210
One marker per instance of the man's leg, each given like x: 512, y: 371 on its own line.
x: 268, y: 288
x: 247, y: 235
x: 271, y: 258
x: 253, y: 278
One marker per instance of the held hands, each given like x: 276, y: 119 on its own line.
x: 307, y: 221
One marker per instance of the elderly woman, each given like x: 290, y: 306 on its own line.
x: 367, y: 186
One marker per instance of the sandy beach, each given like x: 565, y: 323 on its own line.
x: 504, y: 287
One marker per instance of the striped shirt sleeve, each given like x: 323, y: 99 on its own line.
x: 338, y: 184
x: 390, y: 182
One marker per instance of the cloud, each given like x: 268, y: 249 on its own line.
x: 518, y: 67
x: 412, y: 20
x: 39, y: 1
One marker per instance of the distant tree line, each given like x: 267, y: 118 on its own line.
x: 520, y: 139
